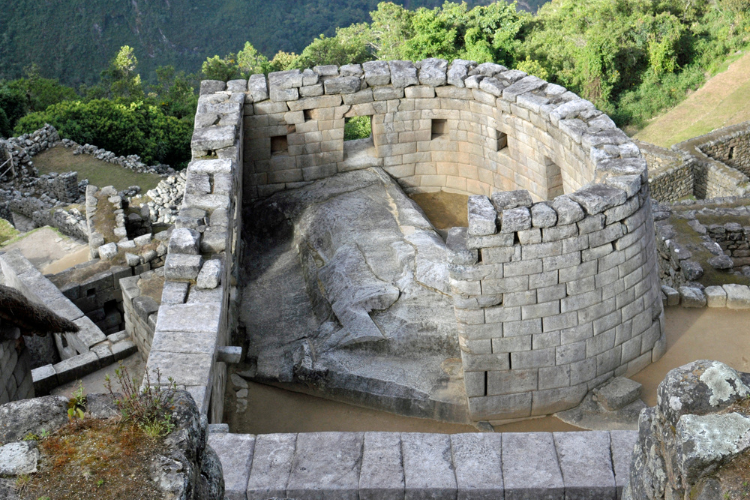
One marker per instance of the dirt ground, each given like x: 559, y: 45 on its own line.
x: 99, y: 173
x: 50, y: 251
x: 94, y: 383
x: 444, y: 210
x: 724, y: 100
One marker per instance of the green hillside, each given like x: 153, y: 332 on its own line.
x: 72, y: 40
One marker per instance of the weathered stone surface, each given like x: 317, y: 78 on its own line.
x: 382, y: 472
x: 182, y: 266
x: 328, y: 461
x: 504, y: 200
x: 185, y: 241
x: 285, y: 79
x: 377, y: 73
x: 738, y: 296
x: 542, y: 215
x: 568, y: 211
x: 691, y: 270
x: 623, y: 443
x: 482, y: 216
x: 257, y: 87
x: 19, y: 418
x: 530, y: 467
x: 108, y: 251
x: 432, y: 72
x: 721, y: 262
x: 342, y: 85
x: 235, y: 451
x: 716, y: 296
x: 618, y: 393
x: 403, y: 73
x: 477, y: 459
x: 673, y: 296
x: 458, y: 72
x: 598, y: 198
x: 18, y: 458
x: 210, y: 274
x: 586, y: 465
x: 213, y: 138
x: 174, y: 292
x: 515, y: 219
x: 522, y: 86
x: 428, y: 470
x: 212, y: 86
x: 692, y: 297
x: 271, y: 466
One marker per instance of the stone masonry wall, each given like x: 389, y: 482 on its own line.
x: 566, y: 295
x: 732, y: 149
x: 670, y: 178
x: 194, y: 321
x: 466, y: 128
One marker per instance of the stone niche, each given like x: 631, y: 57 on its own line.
x: 554, y: 283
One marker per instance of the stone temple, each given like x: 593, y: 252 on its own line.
x: 350, y: 293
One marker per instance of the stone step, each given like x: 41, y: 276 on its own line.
x: 388, y: 465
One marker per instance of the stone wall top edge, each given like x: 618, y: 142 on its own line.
x: 712, y: 138
x: 512, y: 91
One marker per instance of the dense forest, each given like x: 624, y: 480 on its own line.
x: 71, y: 40
x: 632, y: 58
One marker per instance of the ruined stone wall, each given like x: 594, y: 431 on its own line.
x: 566, y: 294
x: 194, y: 321
x: 670, y: 177
x: 732, y: 149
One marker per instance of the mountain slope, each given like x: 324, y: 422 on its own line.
x: 73, y: 40
x: 724, y: 100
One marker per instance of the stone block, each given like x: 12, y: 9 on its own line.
x: 76, y: 367
x: 530, y: 467
x: 382, y: 473
x: 716, y: 296
x: 622, y: 443
x: 377, y: 73
x: 182, y: 266
x: 108, y: 251
x: 568, y: 211
x: 482, y: 216
x: 403, y: 73
x: 326, y: 464
x: 123, y: 349
x: 213, y: 138
x: 235, y: 453
x: 738, y: 296
x: 432, y: 72
x: 477, y: 461
x: 210, y: 274
x: 195, y: 318
x: 673, y: 296
x: 342, y: 85
x: 515, y: 219
x: 597, y: 198
x: 691, y: 270
x: 586, y: 465
x: 45, y: 379
x: 511, y: 199
x: 543, y: 216
x: 428, y: 471
x: 230, y: 354
x: 88, y: 334
x: 618, y: 393
x: 184, y: 241
x: 692, y: 297
x: 271, y: 466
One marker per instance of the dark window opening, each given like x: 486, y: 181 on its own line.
x: 731, y: 153
x: 279, y: 145
x: 439, y: 128
x: 502, y: 141
x: 308, y: 115
x: 357, y: 127
x: 90, y: 292
x: 554, y: 179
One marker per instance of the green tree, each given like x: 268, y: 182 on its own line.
x: 251, y: 62
x: 221, y: 68
x: 124, y: 82
x: 349, y: 46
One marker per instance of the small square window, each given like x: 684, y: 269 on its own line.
x: 279, y: 145
x: 308, y: 115
x: 439, y: 128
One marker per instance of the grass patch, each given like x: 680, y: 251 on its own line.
x: 99, y: 173
x: 7, y: 232
x: 94, y: 458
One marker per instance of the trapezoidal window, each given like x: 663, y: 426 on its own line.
x: 439, y: 128
x: 279, y: 145
x: 357, y: 127
x: 501, y: 145
x: 554, y: 179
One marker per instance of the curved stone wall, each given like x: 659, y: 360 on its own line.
x: 552, y: 298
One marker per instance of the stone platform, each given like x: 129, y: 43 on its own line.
x: 374, y: 465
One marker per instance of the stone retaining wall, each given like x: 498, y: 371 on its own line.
x: 670, y: 178
x: 733, y: 148
x: 140, y: 314
x: 376, y: 465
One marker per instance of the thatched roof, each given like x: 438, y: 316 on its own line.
x: 31, y: 318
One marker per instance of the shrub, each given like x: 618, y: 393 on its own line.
x: 137, y: 128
